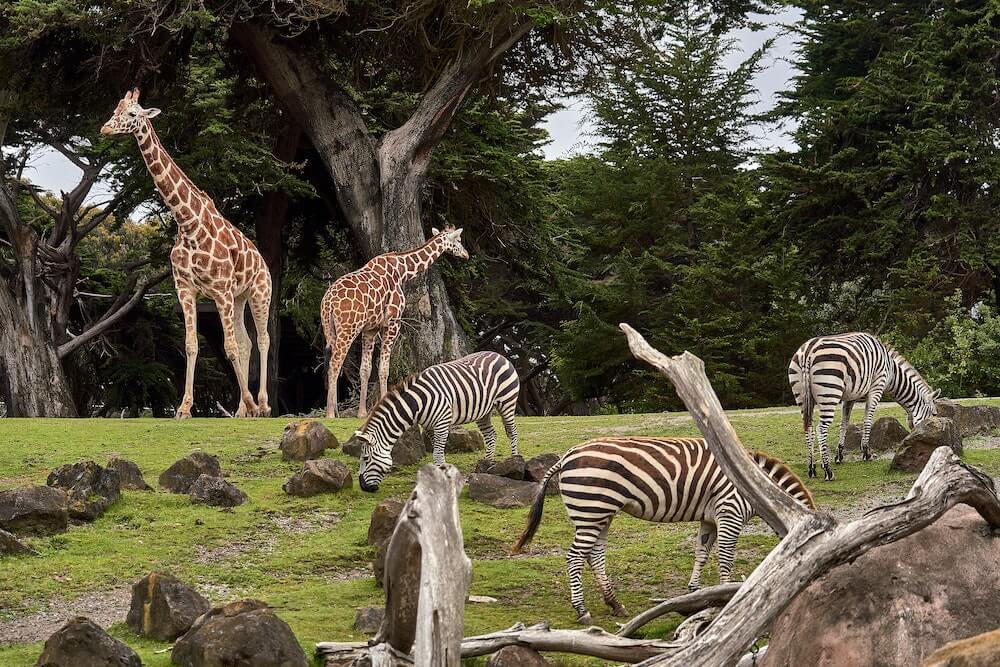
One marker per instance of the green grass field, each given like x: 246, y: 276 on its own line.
x: 308, y: 558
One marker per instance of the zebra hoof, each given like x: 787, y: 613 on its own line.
x: 828, y: 477
x: 585, y: 619
x: 812, y: 471
x: 618, y: 609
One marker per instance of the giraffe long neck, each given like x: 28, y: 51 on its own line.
x: 418, y: 260
x: 185, y: 200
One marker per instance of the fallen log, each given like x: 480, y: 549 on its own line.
x: 689, y: 603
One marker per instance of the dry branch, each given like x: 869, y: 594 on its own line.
x: 689, y: 603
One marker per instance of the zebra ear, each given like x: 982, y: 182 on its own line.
x: 936, y: 395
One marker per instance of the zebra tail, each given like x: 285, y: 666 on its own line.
x: 807, y: 396
x: 535, y: 516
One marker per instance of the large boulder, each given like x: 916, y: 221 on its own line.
x: 384, y: 518
x: 11, y: 546
x: 511, y: 467
x: 163, y: 607
x: 409, y: 449
x: 90, y: 489
x: 852, y: 439
x: 896, y: 604
x: 352, y: 446
x: 378, y: 563
x: 969, y: 419
x: 979, y: 651
x: 887, y: 434
x: 501, y: 492
x: 318, y: 476
x: 368, y: 620
x: 917, y: 447
x: 34, y: 510
x: 216, y: 491
x: 460, y: 440
x: 129, y: 474
x: 306, y: 439
x: 83, y: 643
x: 240, y: 634
x: 517, y: 656
x: 535, y: 469
x: 179, y: 477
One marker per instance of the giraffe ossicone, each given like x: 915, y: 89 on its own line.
x: 210, y: 257
x: 370, y: 301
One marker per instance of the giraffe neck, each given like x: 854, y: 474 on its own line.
x: 418, y: 260
x: 185, y: 201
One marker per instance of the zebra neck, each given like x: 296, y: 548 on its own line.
x: 907, y: 386
x: 391, y: 418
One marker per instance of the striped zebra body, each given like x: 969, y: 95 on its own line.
x: 441, y: 396
x: 840, y: 370
x: 665, y: 480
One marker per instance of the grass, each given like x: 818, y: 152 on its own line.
x: 308, y: 558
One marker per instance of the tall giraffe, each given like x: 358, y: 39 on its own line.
x: 210, y: 257
x: 370, y: 300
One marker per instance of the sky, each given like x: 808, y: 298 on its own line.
x: 570, y: 131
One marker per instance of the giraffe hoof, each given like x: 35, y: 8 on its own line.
x: 183, y: 414
x: 585, y: 619
x: 263, y: 411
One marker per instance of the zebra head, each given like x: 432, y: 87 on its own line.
x: 924, y: 408
x: 376, y: 459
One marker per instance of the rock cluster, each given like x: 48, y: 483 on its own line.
x: 511, y: 482
x: 319, y: 476
x: 917, y: 447
x: 90, y: 489
x: 969, y: 419
x: 82, y: 642
x: 163, y: 607
x: 306, y: 439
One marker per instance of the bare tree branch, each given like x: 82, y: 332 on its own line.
x: 712, y: 596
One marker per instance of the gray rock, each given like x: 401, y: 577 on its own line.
x: 501, y: 492
x: 352, y: 446
x: 179, y: 477
x: 980, y: 651
x: 34, y: 510
x: 163, y: 607
x: 852, y: 439
x: 378, y: 563
x: 216, y: 491
x: 319, y: 476
x: 306, y: 439
x: 409, y: 449
x: 511, y: 467
x: 90, y: 489
x: 129, y: 474
x: 83, y: 643
x: 535, y: 469
x: 969, y: 419
x: 384, y: 518
x: 887, y: 434
x: 369, y: 619
x: 11, y: 546
x: 240, y: 634
x: 517, y: 656
x: 460, y: 440
x: 917, y: 447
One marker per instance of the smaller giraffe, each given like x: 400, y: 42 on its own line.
x: 210, y: 256
x: 371, y: 300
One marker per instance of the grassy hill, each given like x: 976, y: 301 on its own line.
x: 308, y: 558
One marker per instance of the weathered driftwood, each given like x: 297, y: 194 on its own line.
x: 813, y: 542
x: 689, y: 603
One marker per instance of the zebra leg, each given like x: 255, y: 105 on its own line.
x: 507, y: 411
x: 583, y: 543
x: 489, y: 435
x: 845, y: 420
x: 440, y: 440
x: 597, y: 564
x: 825, y: 419
x: 874, y: 397
x: 729, y: 527
x: 811, y: 444
x: 706, y: 539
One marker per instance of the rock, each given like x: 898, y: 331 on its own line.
x: 240, y: 634
x: 179, y: 477
x: 896, y: 604
x: 11, y: 546
x: 34, y: 510
x: 409, y: 449
x: 216, y: 491
x: 460, y: 440
x: 517, y: 656
x: 90, y: 489
x: 129, y: 474
x: 83, y: 643
x: 535, y: 469
x: 378, y: 563
x: 852, y: 439
x: 306, y: 439
x: 318, y: 476
x: 481, y: 599
x: 887, y: 433
x: 511, y: 467
x: 384, y: 518
x: 501, y: 492
x: 352, y: 446
x: 969, y: 419
x: 929, y: 435
x: 163, y: 607
x: 979, y: 651
x: 369, y: 619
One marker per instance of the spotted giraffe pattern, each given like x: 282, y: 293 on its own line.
x: 210, y: 257
x: 371, y: 300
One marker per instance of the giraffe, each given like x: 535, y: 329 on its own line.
x: 370, y: 300
x: 210, y: 257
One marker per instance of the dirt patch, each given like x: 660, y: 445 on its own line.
x: 103, y: 607
x: 973, y: 442
x: 234, y: 549
x: 305, y: 523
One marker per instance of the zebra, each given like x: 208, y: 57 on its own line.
x: 847, y: 368
x: 665, y: 480
x: 441, y: 396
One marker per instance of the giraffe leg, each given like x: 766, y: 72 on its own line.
x: 260, y: 307
x: 845, y: 420
x: 367, y: 349
x: 507, y: 411
x: 485, y: 425
x: 187, y: 299
x: 337, y: 355
x: 228, y: 317
x: 388, y: 340
x: 244, y: 347
x: 597, y: 564
x: 706, y: 540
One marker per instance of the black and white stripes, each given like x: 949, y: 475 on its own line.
x: 658, y: 479
x: 439, y: 397
x: 830, y: 370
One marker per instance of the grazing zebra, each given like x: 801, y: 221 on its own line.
x: 845, y: 369
x: 439, y: 397
x: 666, y: 480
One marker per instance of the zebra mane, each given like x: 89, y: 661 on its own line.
x: 904, y: 363
x: 394, y: 390
x: 782, y: 476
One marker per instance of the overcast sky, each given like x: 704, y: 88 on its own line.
x: 569, y: 128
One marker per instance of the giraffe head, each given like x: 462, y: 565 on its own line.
x: 128, y: 116
x: 451, y: 241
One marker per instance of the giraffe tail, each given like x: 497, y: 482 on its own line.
x: 535, y: 516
